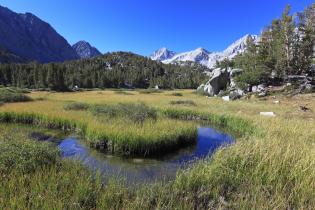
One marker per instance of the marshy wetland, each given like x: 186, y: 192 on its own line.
x: 56, y: 149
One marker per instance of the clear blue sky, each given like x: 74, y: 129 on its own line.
x: 143, y: 26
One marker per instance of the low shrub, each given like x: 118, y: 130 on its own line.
x: 8, y: 95
x: 76, y: 106
x: 183, y: 102
x: 150, y: 91
x: 177, y: 94
x: 17, y: 90
x: 41, y: 98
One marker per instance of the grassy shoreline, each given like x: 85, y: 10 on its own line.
x: 128, y: 143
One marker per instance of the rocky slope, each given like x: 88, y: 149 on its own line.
x: 29, y: 38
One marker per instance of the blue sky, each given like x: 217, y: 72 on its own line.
x: 143, y: 26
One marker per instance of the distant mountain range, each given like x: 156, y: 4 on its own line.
x: 201, y: 55
x: 25, y: 37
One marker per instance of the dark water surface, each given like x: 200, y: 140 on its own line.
x: 136, y: 170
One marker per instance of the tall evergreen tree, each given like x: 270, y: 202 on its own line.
x: 252, y: 68
x: 305, y: 40
x: 287, y: 38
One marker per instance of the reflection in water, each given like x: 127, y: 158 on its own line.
x: 136, y: 170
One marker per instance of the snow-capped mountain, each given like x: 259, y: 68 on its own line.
x: 239, y: 46
x: 203, y: 56
x: 199, y: 55
x: 162, y: 54
x: 85, y: 50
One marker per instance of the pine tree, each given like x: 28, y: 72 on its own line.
x: 305, y: 40
x: 287, y: 38
x: 252, y: 68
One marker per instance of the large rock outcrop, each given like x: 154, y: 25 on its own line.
x: 222, y: 80
x: 218, y: 81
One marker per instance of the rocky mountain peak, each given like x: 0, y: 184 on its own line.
x: 203, y: 56
x: 85, y: 50
x: 162, y: 54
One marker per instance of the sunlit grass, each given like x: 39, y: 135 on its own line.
x: 272, y: 166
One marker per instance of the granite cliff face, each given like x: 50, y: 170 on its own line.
x: 29, y: 38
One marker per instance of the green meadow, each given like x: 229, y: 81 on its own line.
x: 271, y: 165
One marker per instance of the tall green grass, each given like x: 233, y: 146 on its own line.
x: 41, y: 121
x: 276, y: 172
x: 137, y: 113
x: 176, y: 94
x: 233, y: 124
x: 25, y: 156
x: 141, y: 140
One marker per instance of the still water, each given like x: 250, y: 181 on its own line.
x: 136, y: 170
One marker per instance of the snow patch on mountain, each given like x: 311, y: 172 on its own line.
x: 201, y: 55
x: 162, y: 54
x: 239, y: 46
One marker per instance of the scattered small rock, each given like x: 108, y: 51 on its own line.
x: 276, y: 102
x: 226, y: 98
x: 269, y: 114
x: 262, y: 94
x: 76, y: 88
x: 236, y: 94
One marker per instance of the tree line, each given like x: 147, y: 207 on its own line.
x: 286, y: 47
x: 112, y: 70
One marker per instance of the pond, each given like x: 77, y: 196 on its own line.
x: 136, y: 170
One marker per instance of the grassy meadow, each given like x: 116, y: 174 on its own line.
x: 271, y: 166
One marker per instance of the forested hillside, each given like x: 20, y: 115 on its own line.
x: 112, y: 70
